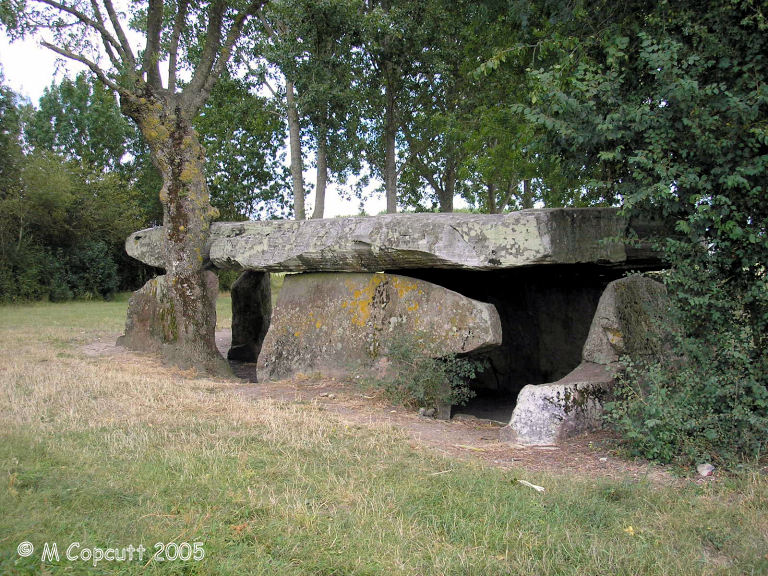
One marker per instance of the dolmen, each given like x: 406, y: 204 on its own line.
x: 542, y: 296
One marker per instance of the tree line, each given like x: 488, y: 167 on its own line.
x: 76, y: 178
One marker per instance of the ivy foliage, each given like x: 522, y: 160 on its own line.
x: 665, y: 106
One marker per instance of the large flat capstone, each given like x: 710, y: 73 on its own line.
x: 411, y: 241
x: 345, y: 322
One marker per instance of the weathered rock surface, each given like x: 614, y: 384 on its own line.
x: 151, y: 325
x: 627, y: 321
x: 344, y: 322
x: 548, y: 413
x: 402, y: 241
x: 251, y: 313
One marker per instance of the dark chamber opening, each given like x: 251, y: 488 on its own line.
x: 545, y: 313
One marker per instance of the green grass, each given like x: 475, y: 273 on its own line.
x: 224, y: 302
x: 119, y: 450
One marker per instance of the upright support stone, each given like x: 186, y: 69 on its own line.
x: 151, y: 325
x: 251, y: 313
x: 628, y: 321
x: 344, y: 322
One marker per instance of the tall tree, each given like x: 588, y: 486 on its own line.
x: 11, y: 166
x: 80, y: 119
x: 434, y: 123
x: 194, y: 39
x: 243, y: 136
x: 275, y: 32
x: 392, y: 42
x: 315, y: 46
x: 10, y: 140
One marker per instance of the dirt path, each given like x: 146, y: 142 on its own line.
x: 464, y: 437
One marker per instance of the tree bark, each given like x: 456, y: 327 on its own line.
x: 182, y: 321
x: 491, y: 198
x: 448, y: 191
x: 390, y: 134
x: 294, y: 136
x: 527, y: 196
x: 322, y: 177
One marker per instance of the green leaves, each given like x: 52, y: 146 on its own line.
x: 664, y: 110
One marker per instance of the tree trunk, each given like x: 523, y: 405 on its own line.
x: 491, y: 198
x: 527, y: 196
x: 21, y: 231
x: 390, y: 134
x: 445, y: 196
x: 294, y: 136
x: 175, y: 314
x: 322, y: 177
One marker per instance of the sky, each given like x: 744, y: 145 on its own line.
x: 28, y: 69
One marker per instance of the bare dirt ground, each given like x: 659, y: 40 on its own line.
x: 463, y: 437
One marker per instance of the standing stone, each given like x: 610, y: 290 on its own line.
x: 151, y: 324
x: 627, y: 322
x: 251, y: 313
x: 343, y: 322
x: 548, y: 413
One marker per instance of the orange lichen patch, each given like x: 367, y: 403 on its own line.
x: 403, y: 286
x: 360, y: 304
x: 318, y: 324
x: 362, y: 298
x: 614, y: 336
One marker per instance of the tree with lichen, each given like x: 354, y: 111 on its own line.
x: 193, y: 42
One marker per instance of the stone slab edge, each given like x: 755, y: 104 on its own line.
x: 402, y: 241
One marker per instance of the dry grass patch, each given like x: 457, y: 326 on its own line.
x: 118, y: 449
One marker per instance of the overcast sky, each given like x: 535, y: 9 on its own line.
x: 29, y: 68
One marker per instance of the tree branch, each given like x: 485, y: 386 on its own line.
x: 269, y: 87
x: 126, y: 47
x: 107, y: 38
x: 210, y: 49
x: 173, y: 52
x: 421, y: 166
x: 83, y: 60
x: 506, y: 197
x: 267, y: 26
x: 151, y: 64
x: 216, y: 55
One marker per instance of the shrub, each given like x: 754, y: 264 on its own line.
x: 24, y: 272
x: 418, y: 375
x: 58, y: 286
x: 707, y: 399
x: 91, y: 272
x: 227, y: 278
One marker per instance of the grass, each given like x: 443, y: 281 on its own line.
x: 118, y: 450
x: 224, y: 302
